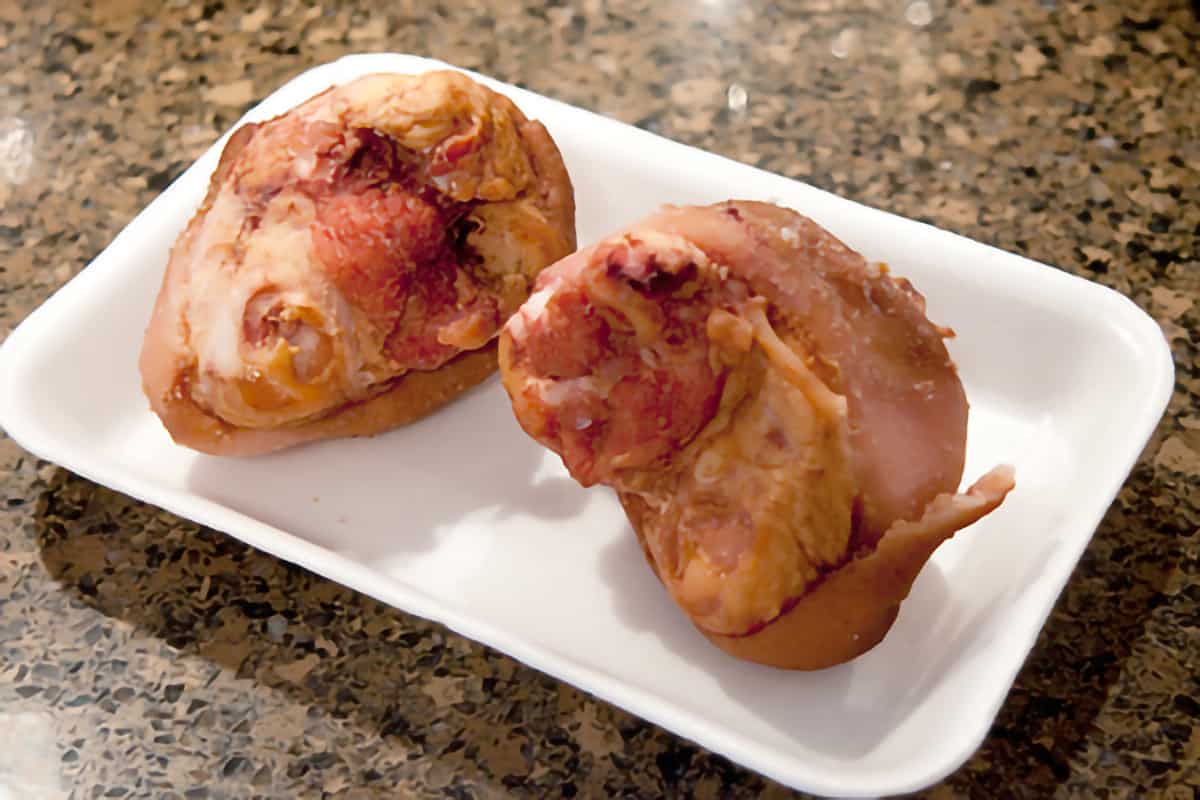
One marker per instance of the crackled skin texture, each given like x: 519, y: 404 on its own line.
x: 784, y: 427
x: 352, y: 263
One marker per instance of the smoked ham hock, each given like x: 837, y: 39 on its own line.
x: 352, y: 263
x: 782, y: 424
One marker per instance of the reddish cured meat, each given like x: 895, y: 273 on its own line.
x: 628, y: 370
x: 780, y: 420
x: 388, y: 253
x: 352, y: 262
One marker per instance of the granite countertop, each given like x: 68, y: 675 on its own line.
x: 142, y: 655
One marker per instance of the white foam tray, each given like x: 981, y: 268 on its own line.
x: 464, y: 520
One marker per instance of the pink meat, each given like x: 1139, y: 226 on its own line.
x: 619, y: 403
x: 388, y: 249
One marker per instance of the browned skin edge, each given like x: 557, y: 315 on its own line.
x: 413, y: 396
x: 854, y: 607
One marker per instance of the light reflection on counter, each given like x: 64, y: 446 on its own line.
x: 737, y: 97
x: 918, y: 13
x: 16, y: 151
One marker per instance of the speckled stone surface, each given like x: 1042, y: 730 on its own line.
x: 160, y: 659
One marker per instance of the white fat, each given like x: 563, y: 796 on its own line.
x: 219, y: 344
x: 306, y: 341
x: 709, y: 467
x: 215, y: 317
x: 303, y: 163
x: 275, y: 255
x: 516, y: 326
x: 535, y: 306
x: 532, y: 310
x: 552, y: 392
x: 671, y: 250
x: 789, y: 234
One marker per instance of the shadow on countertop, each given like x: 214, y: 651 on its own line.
x: 413, y: 693
x: 383, y: 699
x: 1091, y: 662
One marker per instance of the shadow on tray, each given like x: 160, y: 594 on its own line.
x: 390, y: 495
